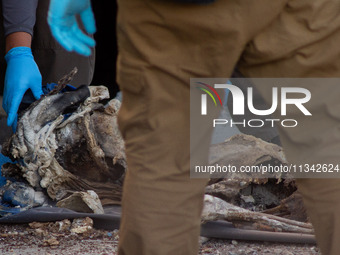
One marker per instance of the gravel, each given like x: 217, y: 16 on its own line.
x: 233, y: 247
x: 58, y: 238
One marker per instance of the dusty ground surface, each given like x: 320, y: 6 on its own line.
x: 27, y: 240
x: 233, y: 247
x: 55, y: 238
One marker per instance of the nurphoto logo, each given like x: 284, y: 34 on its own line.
x: 240, y: 101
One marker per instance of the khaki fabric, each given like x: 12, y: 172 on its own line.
x: 162, y: 44
x: 303, y: 42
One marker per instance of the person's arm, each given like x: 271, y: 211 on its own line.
x: 18, y: 39
x: 19, y: 15
x: 22, y: 72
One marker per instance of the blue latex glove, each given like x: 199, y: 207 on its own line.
x: 22, y: 73
x: 64, y: 27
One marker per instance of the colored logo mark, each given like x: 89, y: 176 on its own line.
x: 210, y: 91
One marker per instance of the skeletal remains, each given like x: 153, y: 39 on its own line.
x: 63, y: 155
x: 69, y: 143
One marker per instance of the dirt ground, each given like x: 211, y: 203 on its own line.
x: 233, y: 247
x: 53, y: 238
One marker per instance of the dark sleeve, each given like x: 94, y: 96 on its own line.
x: 19, y: 15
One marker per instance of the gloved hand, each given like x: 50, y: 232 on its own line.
x: 64, y: 26
x: 22, y: 73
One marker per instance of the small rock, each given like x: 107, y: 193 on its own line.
x: 81, y: 230
x: 51, y: 242
x: 234, y: 242
x: 40, y: 232
x: 251, y: 252
x: 315, y: 249
x: 277, y: 251
x: 116, y: 234
x: 207, y: 250
x: 243, y: 183
x: 63, y: 225
x: 36, y: 225
x: 87, y: 202
x: 248, y: 199
x: 82, y: 226
x: 286, y: 252
x: 203, y: 240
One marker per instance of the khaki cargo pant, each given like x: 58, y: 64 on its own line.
x: 161, y: 45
